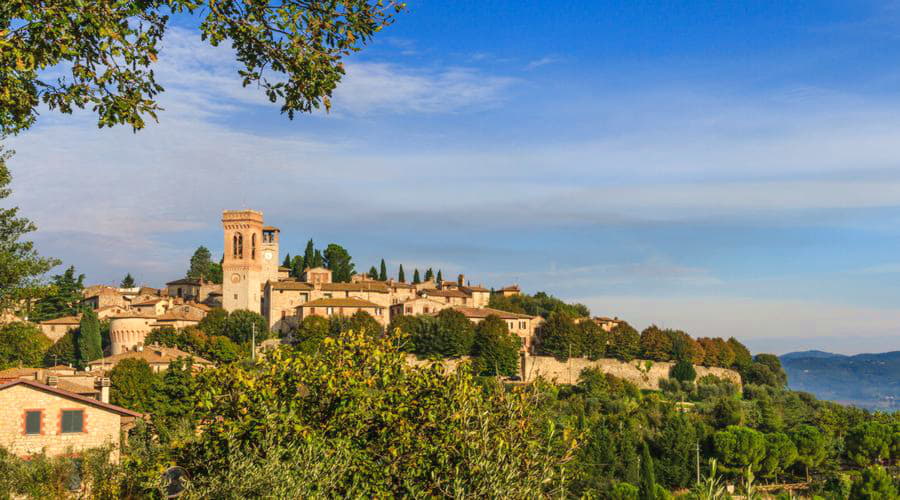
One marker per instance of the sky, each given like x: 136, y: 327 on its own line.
x: 727, y: 168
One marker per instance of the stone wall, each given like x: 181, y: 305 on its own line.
x: 644, y: 374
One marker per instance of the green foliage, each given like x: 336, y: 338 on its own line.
x: 647, y: 486
x: 401, y: 276
x: 726, y: 412
x: 311, y: 332
x: 64, y: 351
x: 781, y: 453
x: 656, y: 344
x: 558, y: 337
x: 496, y: 348
x: 739, y: 447
x: 766, y: 370
x: 215, y: 322
x: 62, y: 298
x: 717, y: 352
x: 440, y: 277
x: 127, y: 281
x: 592, y: 340
x: 240, y: 324
x: 382, y: 271
x: 22, y: 344
x: 193, y: 340
x: 90, y: 344
x: 869, y: 443
x: 539, y: 304
x: 364, y: 322
x: 408, y: 431
x: 40, y: 476
x: 21, y: 268
x: 449, y: 334
x: 202, y: 266
x: 675, y: 449
x: 338, y: 260
x: 292, y: 51
x: 625, y: 343
x: 742, y: 357
x: 624, y: 491
x: 683, y: 371
x: 416, y: 278
x: 875, y: 483
x: 134, y: 385
x: 429, y: 274
x: 373, y: 273
x: 309, y: 255
x: 810, y: 444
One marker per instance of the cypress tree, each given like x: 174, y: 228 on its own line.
x: 439, y: 277
x: 429, y: 274
x: 416, y: 278
x: 382, y: 274
x: 90, y: 345
x: 647, y: 487
x: 373, y: 273
x: 318, y: 260
x: 287, y: 261
x: 309, y: 255
x: 401, y: 276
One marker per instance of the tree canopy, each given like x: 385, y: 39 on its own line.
x: 292, y: 51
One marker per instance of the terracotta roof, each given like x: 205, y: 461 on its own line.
x: 271, y: 228
x: 320, y: 268
x: 475, y: 289
x: 348, y: 302
x: 444, y: 293
x: 151, y: 354
x: 355, y: 287
x: 510, y: 288
x: 290, y: 285
x: 484, y: 312
x: 419, y: 299
x: 148, y: 290
x: 65, y: 385
x: 150, y: 302
x: 61, y: 367
x: 177, y: 316
x: 65, y: 320
x: 398, y: 284
x: 11, y: 373
x: 71, y: 395
x: 185, y: 281
x: 101, y: 291
x: 132, y: 314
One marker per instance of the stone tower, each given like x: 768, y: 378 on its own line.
x: 270, y: 259
x: 242, y: 267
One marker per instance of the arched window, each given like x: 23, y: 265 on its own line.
x: 253, y: 246
x: 240, y: 246
x: 234, y: 246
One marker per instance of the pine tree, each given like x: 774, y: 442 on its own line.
x: 416, y: 278
x: 647, y: 488
x: 127, y: 281
x: 89, y: 343
x: 401, y: 276
x: 382, y: 274
x: 429, y: 274
x: 200, y: 264
x: 440, y: 278
x: 287, y: 261
x: 309, y: 255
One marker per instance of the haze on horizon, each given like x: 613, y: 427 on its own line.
x: 723, y: 169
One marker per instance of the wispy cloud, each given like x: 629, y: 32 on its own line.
x: 543, y: 61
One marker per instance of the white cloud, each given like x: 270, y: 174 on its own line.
x: 543, y: 61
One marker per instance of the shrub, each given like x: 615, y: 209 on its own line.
x: 683, y: 371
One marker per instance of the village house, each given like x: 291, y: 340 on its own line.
x: 128, y: 330
x: 56, y: 329
x: 63, y: 377
x: 103, y: 296
x: 510, y: 291
x: 416, y: 306
x: 522, y: 325
x: 36, y: 418
x: 190, y: 289
x: 343, y: 307
x: 158, y: 357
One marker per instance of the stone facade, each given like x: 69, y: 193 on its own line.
x: 343, y: 307
x: 56, y: 329
x: 129, y: 330
x: 243, y: 269
x: 102, y: 423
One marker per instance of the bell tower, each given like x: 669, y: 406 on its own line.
x: 242, y: 267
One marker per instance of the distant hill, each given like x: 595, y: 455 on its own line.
x: 865, y: 380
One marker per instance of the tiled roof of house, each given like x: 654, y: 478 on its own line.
x: 175, y: 315
x: 185, y: 281
x: 132, y: 314
x: 510, y: 288
x: 151, y: 354
x: 398, y: 284
x: 65, y: 320
x: 484, y: 312
x: 477, y: 288
x: 365, y: 286
x: 290, y: 285
x: 71, y: 395
x: 151, y: 302
x: 348, y: 302
x: 11, y: 373
x: 444, y: 293
x: 271, y: 228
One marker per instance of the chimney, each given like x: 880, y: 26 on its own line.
x: 461, y: 280
x: 103, y: 384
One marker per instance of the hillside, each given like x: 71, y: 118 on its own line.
x: 865, y: 380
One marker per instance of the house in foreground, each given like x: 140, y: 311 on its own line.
x: 36, y: 417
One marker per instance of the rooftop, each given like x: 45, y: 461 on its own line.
x: 348, y: 302
x: 153, y: 354
x: 70, y: 395
x: 484, y: 312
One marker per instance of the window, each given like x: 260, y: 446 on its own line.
x: 72, y: 421
x: 522, y: 325
x: 33, y: 422
x: 327, y: 295
x: 329, y: 310
x: 283, y: 314
x: 179, y: 292
x: 408, y: 310
x: 253, y: 246
x: 378, y: 311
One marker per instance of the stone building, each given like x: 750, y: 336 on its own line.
x: 36, y: 417
x: 250, y: 259
x: 158, y: 357
x: 522, y: 325
x: 56, y: 329
x: 343, y: 307
x: 192, y: 290
x: 128, y: 330
x: 416, y: 306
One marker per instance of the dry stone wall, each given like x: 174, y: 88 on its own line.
x: 644, y: 374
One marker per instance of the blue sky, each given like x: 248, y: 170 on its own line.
x: 729, y: 168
